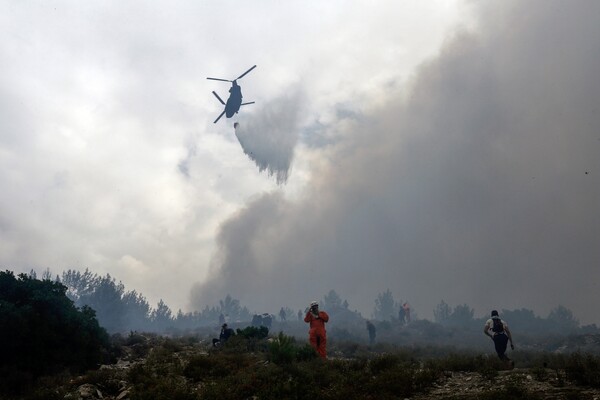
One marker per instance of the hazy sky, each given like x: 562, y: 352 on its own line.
x: 441, y: 149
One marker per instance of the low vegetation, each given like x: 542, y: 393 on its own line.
x: 251, y: 365
x: 52, y: 349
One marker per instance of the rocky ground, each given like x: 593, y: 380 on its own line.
x: 517, y: 383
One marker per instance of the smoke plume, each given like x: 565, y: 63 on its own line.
x: 480, y: 186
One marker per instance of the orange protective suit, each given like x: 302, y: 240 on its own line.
x: 317, y: 333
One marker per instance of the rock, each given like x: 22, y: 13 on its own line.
x: 89, y: 391
x: 123, y: 364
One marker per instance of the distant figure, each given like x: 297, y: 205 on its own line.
x: 259, y: 320
x: 225, y: 334
x: 406, y: 308
x: 372, y: 332
x: 317, y: 333
x: 282, y: 314
x: 221, y: 319
x: 266, y: 320
x: 498, y: 330
x: 401, y: 315
x: 300, y: 315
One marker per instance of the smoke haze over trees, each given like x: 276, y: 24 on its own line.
x: 119, y: 311
x: 481, y: 176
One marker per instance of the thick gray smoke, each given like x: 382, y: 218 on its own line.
x: 270, y: 136
x: 482, y: 186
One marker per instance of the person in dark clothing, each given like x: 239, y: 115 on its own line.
x: 497, y: 329
x: 401, y: 316
x: 372, y: 332
x: 225, y: 334
x: 282, y: 314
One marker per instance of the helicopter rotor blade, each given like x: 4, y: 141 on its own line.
x: 245, y: 104
x: 244, y: 74
x: 219, y: 117
x: 219, y: 79
x: 217, y: 96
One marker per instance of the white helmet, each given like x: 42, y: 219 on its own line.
x: 313, y: 303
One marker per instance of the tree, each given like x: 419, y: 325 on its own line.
x: 523, y: 320
x: 462, y: 315
x: 385, y: 306
x: 331, y: 301
x: 231, y: 307
x: 42, y: 330
x: 562, y: 319
x: 161, y: 317
x: 442, y: 312
x: 137, y: 311
x: 102, y: 294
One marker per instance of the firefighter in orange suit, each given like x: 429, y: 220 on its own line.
x: 318, y: 336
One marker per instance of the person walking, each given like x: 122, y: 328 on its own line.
x: 498, y: 331
x: 372, y: 332
x: 406, y: 308
x: 317, y: 333
x: 282, y: 314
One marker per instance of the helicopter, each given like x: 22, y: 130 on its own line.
x: 234, y: 102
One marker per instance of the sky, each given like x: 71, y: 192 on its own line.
x: 445, y: 150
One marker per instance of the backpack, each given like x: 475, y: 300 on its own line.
x: 498, y: 326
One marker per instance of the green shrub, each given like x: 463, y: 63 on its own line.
x: 135, y: 338
x: 108, y: 380
x: 253, y: 332
x: 305, y: 353
x: 204, y: 367
x: 539, y: 373
x: 583, y: 369
x: 283, y: 349
x: 384, y: 363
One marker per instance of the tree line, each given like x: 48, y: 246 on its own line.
x: 119, y: 310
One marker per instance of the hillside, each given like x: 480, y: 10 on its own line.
x: 277, y: 367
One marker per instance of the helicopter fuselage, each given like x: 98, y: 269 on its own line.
x: 234, y: 101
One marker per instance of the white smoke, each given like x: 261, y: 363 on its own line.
x: 269, y: 136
